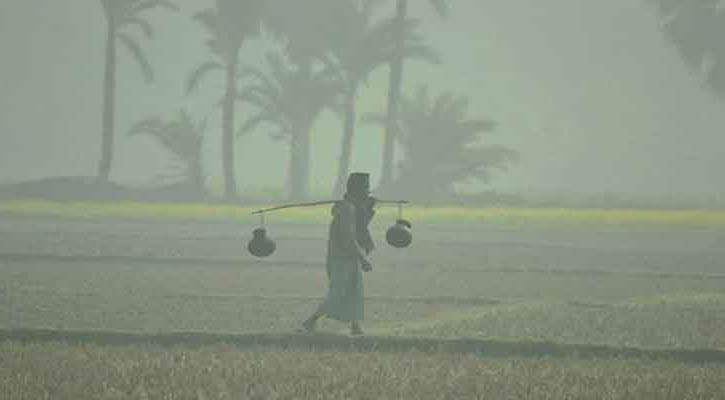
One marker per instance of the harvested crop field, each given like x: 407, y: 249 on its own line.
x: 72, y: 372
x: 550, y: 295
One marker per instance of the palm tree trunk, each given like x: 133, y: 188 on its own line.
x: 346, y: 146
x: 197, y: 175
x: 394, y: 89
x: 230, y: 183
x: 299, y: 167
x: 109, y: 104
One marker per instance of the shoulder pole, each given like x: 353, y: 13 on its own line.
x: 320, y: 203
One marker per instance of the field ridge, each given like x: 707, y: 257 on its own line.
x: 480, y: 347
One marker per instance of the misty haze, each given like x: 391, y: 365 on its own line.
x: 362, y: 199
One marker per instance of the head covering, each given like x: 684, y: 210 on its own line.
x: 358, y: 183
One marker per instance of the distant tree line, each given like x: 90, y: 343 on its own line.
x: 322, y: 63
x: 697, y: 29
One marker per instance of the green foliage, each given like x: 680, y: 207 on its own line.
x: 124, y: 15
x: 229, y: 24
x: 330, y: 47
x: 183, y: 138
x: 289, y: 97
x: 360, y: 43
x: 442, y: 145
x: 200, y: 73
x: 303, y: 29
x: 697, y: 28
x: 345, y: 34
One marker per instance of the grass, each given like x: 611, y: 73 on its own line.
x: 673, y: 323
x: 495, y: 216
x: 63, y: 372
x: 618, y: 309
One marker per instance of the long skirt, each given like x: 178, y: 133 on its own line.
x: 344, y: 301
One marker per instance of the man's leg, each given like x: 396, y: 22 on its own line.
x: 310, y: 323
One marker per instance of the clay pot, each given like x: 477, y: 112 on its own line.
x: 260, y: 245
x: 399, y: 235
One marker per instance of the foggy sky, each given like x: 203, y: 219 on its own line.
x: 588, y: 91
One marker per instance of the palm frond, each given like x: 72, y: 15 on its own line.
x: 138, y: 54
x: 209, y: 20
x: 180, y: 136
x: 257, y: 74
x: 258, y: 97
x: 142, y: 6
x: 145, y: 26
x: 264, y: 117
x: 146, y: 126
x: 422, y: 52
x: 361, y: 45
x: 477, y: 126
x: 441, y: 7
x: 229, y: 23
x: 302, y: 28
x: 696, y: 28
x: 442, y: 145
x: 289, y: 96
x: 279, y: 70
x: 199, y: 73
x: 333, y: 69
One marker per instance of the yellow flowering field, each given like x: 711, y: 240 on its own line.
x: 434, y: 214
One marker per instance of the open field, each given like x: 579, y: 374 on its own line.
x: 570, y: 308
x: 661, y: 290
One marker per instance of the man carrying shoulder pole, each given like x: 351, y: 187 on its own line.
x: 348, y: 246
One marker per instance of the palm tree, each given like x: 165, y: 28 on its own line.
x: 359, y: 45
x: 304, y: 31
x: 230, y: 23
x: 441, y: 146
x: 290, y: 97
x: 184, y: 139
x: 302, y: 27
x: 122, y: 15
x: 396, y: 83
x: 697, y: 29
